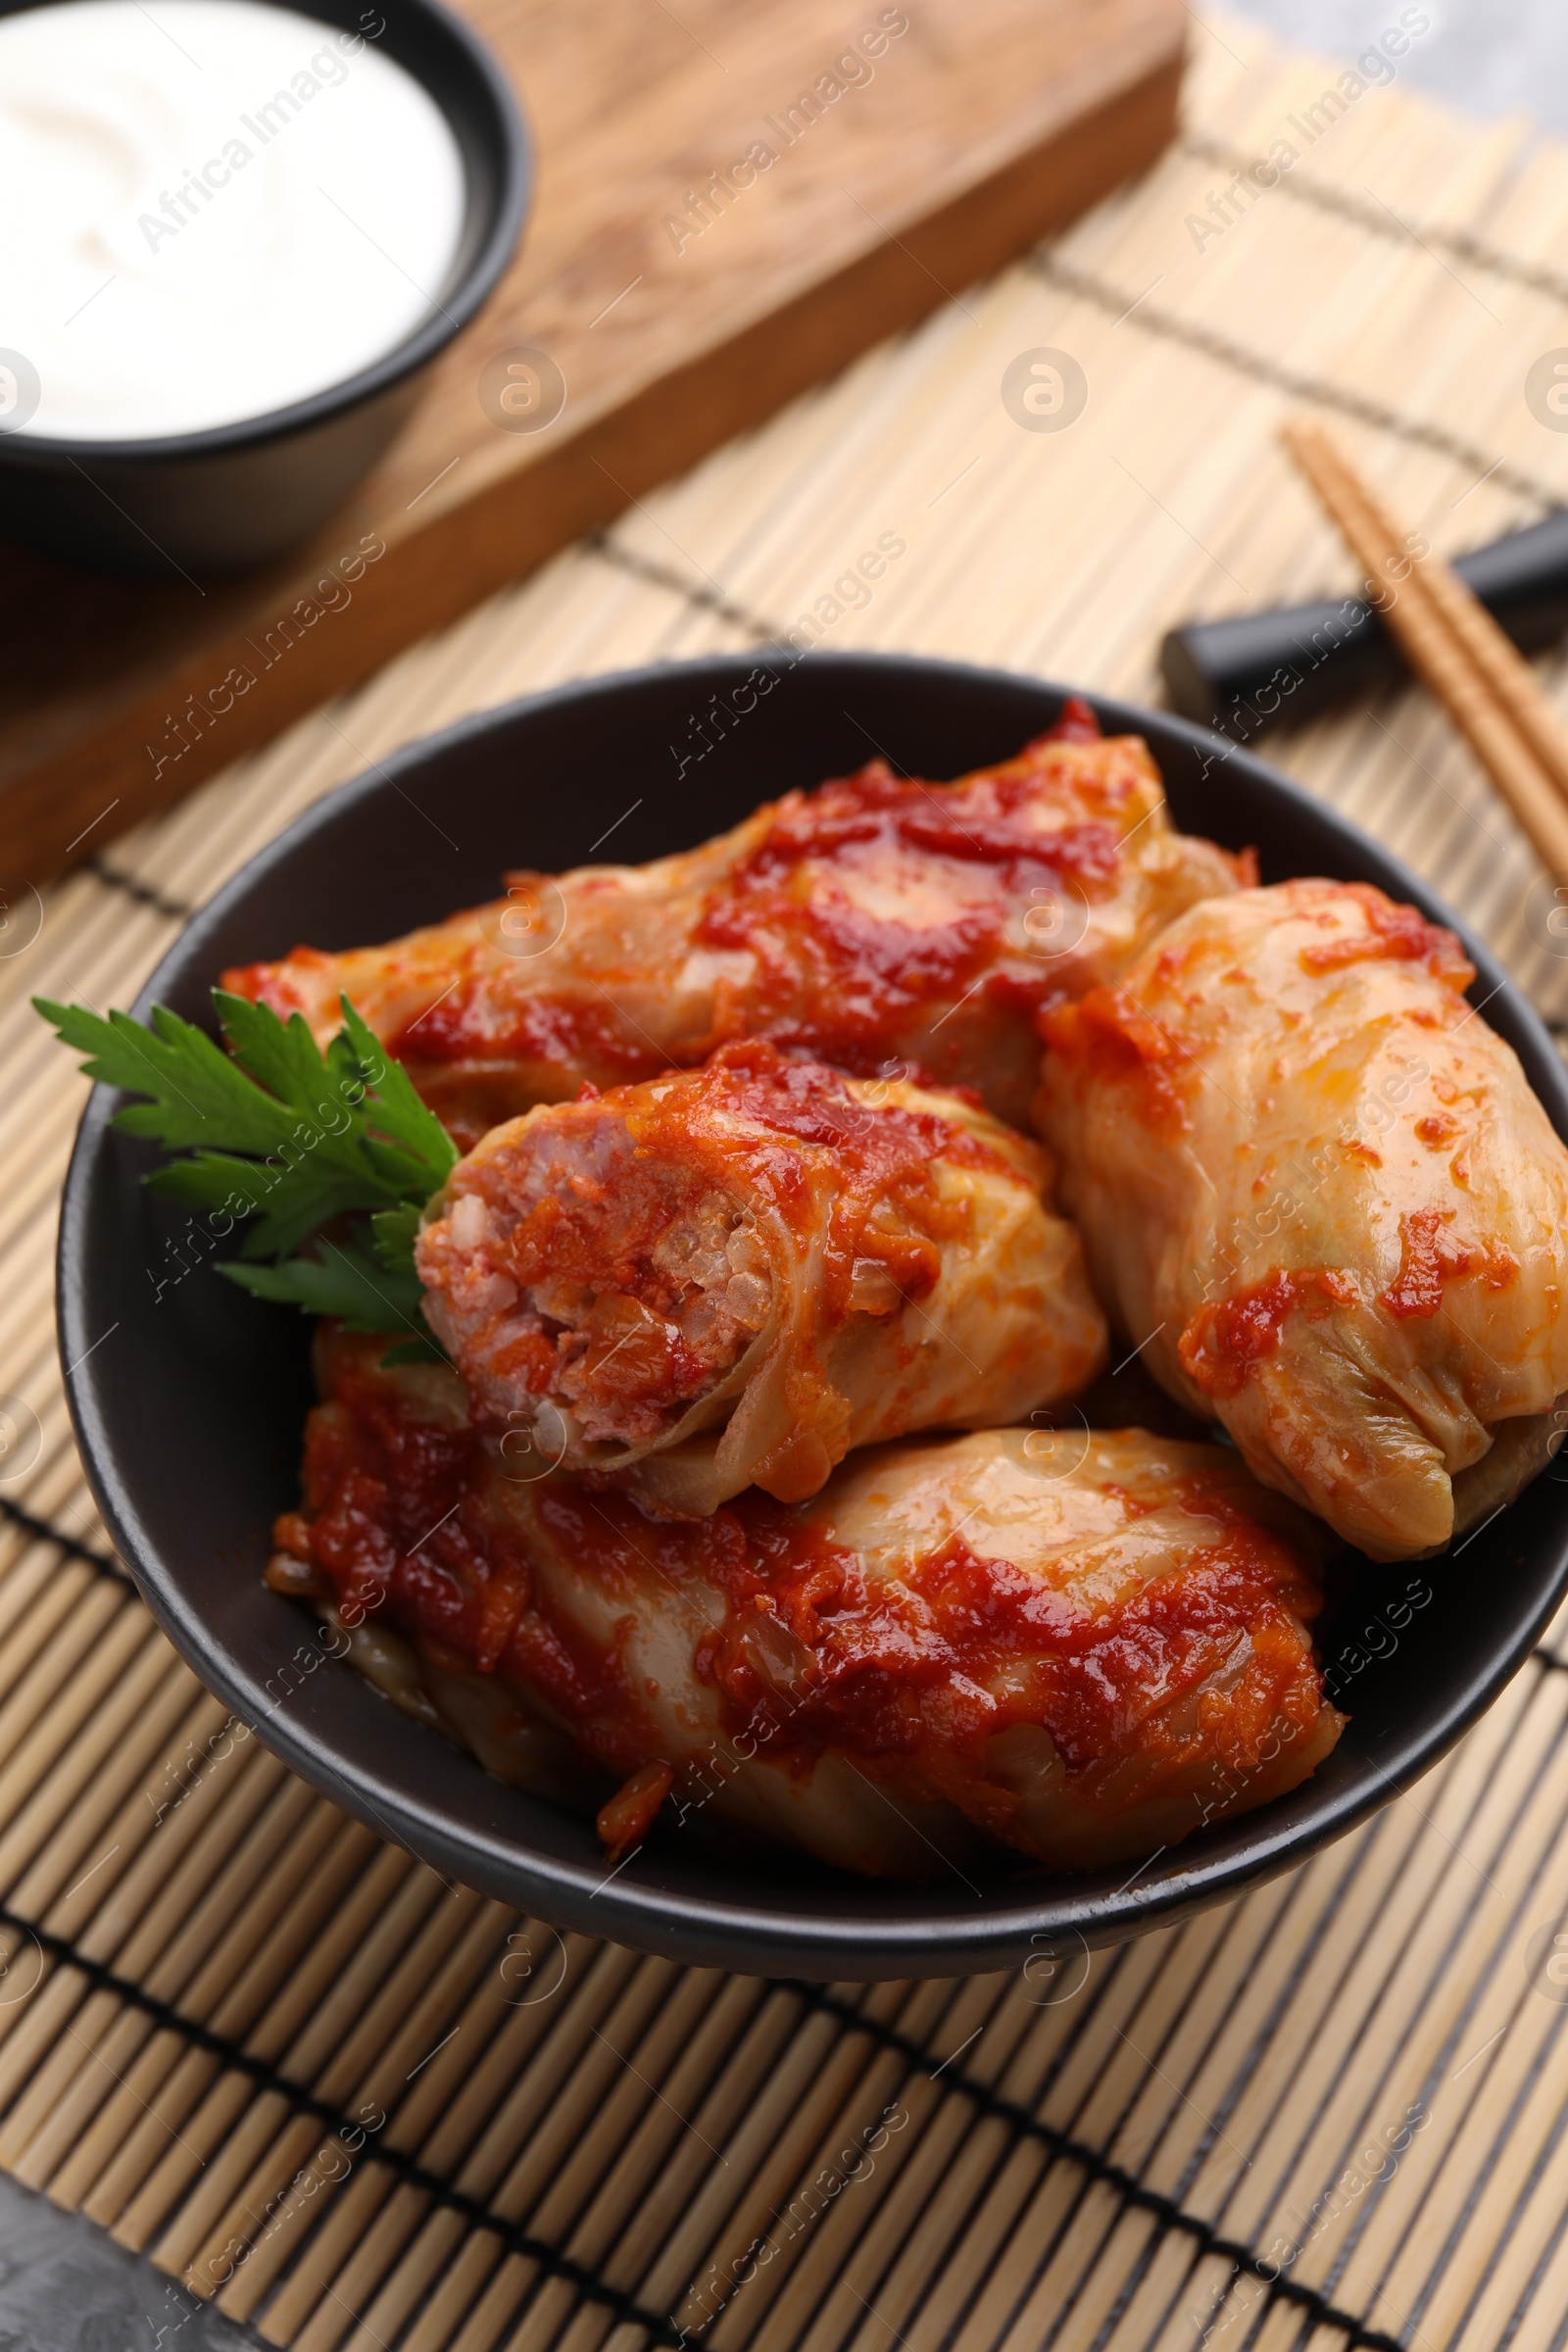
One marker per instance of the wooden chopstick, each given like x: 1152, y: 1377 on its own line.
x: 1453, y: 645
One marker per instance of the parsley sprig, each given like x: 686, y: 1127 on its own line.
x: 287, y: 1138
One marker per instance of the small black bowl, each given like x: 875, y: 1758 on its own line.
x: 218, y: 502
x: 188, y: 1398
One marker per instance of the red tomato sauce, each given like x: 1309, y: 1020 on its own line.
x: 962, y: 1646
x: 811, y: 1652
x: 394, y: 1518
x: 883, y: 1160
x: 585, y: 1198
x: 1109, y: 1035
x: 866, y: 911
x: 831, y: 977
x: 477, y: 1021
x: 838, y: 980
x: 1222, y: 1342
x: 1430, y: 1257
x: 1394, y: 932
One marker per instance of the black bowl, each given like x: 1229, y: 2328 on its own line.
x: 188, y: 1402
x: 219, y: 502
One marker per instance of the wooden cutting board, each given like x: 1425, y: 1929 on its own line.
x: 669, y: 316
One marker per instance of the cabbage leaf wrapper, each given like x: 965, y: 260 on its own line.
x: 1077, y: 1648
x: 1319, y: 1193
x: 733, y: 1275
x: 884, y: 924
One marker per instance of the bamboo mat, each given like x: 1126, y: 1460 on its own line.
x: 364, y: 2108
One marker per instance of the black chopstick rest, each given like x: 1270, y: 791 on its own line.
x: 1245, y: 675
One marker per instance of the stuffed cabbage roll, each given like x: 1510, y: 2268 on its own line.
x: 734, y: 1274
x: 1319, y: 1193
x: 874, y: 921
x: 1082, y: 1649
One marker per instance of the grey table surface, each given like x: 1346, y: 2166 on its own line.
x: 1490, y: 57
x: 64, y: 2286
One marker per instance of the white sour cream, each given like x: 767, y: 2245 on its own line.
x: 209, y: 210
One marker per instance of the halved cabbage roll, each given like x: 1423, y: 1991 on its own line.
x: 1319, y: 1192
x: 872, y: 922
x: 1080, y: 1647
x: 734, y: 1274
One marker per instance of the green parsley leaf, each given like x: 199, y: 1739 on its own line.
x: 394, y: 1232
x: 343, y: 1278
x: 276, y: 1132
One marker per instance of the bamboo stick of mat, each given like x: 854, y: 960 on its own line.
x: 1453, y: 645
